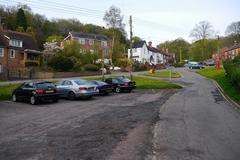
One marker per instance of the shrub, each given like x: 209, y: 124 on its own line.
x: 232, y: 69
x: 140, y: 67
x: 178, y: 64
x: 31, y: 64
x: 61, y: 63
x: 90, y: 67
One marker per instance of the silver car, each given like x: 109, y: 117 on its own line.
x: 76, y: 88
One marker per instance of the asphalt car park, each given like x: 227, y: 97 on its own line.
x: 81, y: 129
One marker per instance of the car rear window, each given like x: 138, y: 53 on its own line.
x: 80, y: 82
x: 45, y: 85
x: 123, y: 80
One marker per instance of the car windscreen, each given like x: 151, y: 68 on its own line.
x: 100, y: 82
x: 123, y: 80
x: 45, y: 85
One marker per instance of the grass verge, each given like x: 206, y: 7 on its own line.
x: 142, y: 83
x: 219, y: 76
x: 164, y: 74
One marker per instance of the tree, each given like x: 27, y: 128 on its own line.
x: 21, y: 20
x: 233, y: 30
x: 201, y: 32
x: 136, y: 39
x: 114, y: 20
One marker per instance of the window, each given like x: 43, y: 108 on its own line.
x: 81, y: 41
x: 1, y: 52
x: 1, y: 69
x: 12, y: 53
x: 92, y: 51
x: 91, y: 42
x: 15, y: 43
x: 104, y: 43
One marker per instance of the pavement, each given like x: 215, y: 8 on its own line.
x: 197, y: 123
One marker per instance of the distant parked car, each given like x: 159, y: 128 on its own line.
x: 35, y: 92
x: 77, y: 88
x: 209, y: 62
x: 195, y: 65
x: 121, y: 84
x: 103, y: 87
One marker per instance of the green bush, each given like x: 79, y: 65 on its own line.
x: 90, y: 67
x: 232, y: 69
x: 31, y: 64
x: 178, y: 64
x: 140, y: 67
x: 61, y: 63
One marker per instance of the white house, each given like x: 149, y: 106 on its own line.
x: 143, y: 53
x: 139, y: 52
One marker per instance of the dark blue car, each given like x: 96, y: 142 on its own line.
x: 104, y: 88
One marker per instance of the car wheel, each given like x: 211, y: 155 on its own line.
x: 71, y: 96
x: 14, y: 98
x: 55, y: 100
x: 117, y: 89
x: 33, y: 100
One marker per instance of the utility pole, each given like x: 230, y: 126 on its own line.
x: 131, y: 34
x: 180, y: 55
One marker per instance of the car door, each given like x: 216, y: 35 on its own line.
x: 27, y: 90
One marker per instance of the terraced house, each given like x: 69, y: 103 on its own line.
x: 94, y: 43
x: 17, y: 50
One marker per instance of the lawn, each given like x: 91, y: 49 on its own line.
x: 219, y: 75
x: 6, y: 91
x: 164, y: 74
x: 147, y: 83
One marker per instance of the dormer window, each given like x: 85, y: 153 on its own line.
x: 91, y: 42
x: 16, y: 43
x: 104, y: 43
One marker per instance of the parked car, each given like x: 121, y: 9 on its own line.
x: 121, y: 84
x: 35, y: 92
x: 209, y: 62
x: 103, y: 87
x: 195, y: 65
x: 77, y: 88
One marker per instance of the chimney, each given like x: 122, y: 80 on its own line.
x: 150, y: 43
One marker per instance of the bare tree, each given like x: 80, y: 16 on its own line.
x: 114, y: 20
x: 233, y: 29
x: 201, y: 32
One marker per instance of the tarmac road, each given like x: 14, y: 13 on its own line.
x: 197, y: 124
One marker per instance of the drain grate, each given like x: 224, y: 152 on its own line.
x: 217, y: 96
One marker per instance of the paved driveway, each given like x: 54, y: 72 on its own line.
x: 197, y: 124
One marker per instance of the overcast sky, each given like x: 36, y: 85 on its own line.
x: 153, y: 20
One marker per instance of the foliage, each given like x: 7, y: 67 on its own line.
x: 232, y: 68
x: 90, y: 67
x: 175, y: 46
x: 233, y: 28
x: 178, y: 64
x: 61, y: 63
x: 6, y: 91
x: 31, y: 64
x: 21, y: 20
x: 139, y: 66
x: 55, y: 38
x: 219, y: 75
x: 124, y: 62
x: 136, y: 39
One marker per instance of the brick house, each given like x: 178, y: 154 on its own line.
x: 16, y: 49
x: 227, y: 53
x: 94, y: 43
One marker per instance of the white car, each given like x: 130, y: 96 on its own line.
x: 76, y: 88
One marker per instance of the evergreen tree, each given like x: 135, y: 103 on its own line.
x: 21, y: 20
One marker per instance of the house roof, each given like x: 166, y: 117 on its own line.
x: 138, y: 44
x: 28, y: 41
x: 89, y: 36
x: 233, y: 47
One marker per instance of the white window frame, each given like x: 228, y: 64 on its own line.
x: 12, y: 53
x: 82, y: 41
x: 91, y: 42
x: 1, y: 52
x: 1, y: 68
x: 15, y: 43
